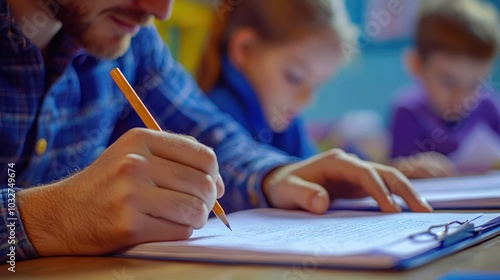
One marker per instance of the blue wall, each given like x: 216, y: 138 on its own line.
x: 370, y: 81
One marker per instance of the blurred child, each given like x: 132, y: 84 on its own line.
x: 456, y: 44
x: 263, y: 63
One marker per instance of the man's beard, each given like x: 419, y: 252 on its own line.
x: 76, y: 23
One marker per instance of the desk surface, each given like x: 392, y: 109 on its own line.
x: 483, y: 257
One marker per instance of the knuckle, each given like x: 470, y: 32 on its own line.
x: 199, y: 213
x: 367, y: 170
x: 391, y: 172
x: 208, y: 154
x: 135, y: 134
x: 208, y: 186
x: 396, y: 178
x: 336, y: 153
x: 172, y: 139
x: 340, y: 155
x: 353, y: 155
x: 130, y: 163
x: 208, y: 158
x: 394, y: 172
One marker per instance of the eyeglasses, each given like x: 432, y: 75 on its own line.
x: 439, y: 232
x: 447, y: 234
x: 453, y: 232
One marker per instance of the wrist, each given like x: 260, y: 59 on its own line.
x: 17, y: 246
x: 269, y: 182
x: 39, y: 209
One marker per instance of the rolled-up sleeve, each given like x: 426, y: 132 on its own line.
x: 15, y: 245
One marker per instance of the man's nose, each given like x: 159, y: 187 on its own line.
x: 160, y: 9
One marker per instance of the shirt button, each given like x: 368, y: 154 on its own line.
x: 41, y: 146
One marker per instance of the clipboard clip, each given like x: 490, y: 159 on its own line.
x: 447, y: 234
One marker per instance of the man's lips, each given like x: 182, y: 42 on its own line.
x: 124, y: 25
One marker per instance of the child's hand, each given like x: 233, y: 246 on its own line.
x: 311, y: 184
x: 426, y: 165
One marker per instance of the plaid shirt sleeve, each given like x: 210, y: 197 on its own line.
x: 167, y: 90
x: 15, y: 245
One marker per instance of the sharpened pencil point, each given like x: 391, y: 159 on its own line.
x: 224, y: 220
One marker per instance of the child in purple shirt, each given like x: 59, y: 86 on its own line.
x: 456, y: 44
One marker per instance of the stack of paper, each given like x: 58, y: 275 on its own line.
x: 475, y: 192
x: 348, y: 239
x: 479, y: 151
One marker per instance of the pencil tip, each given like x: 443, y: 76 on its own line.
x: 229, y: 227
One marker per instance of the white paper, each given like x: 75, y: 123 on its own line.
x: 342, y: 233
x: 444, y: 193
x: 479, y: 151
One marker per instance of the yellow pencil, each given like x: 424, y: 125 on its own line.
x: 150, y: 123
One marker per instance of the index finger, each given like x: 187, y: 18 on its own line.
x: 358, y: 172
x: 373, y: 183
x: 401, y: 186
x: 180, y: 149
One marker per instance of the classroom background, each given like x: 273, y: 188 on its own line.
x: 352, y: 108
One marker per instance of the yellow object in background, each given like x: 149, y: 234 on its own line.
x: 185, y: 32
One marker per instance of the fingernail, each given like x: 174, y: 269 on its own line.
x: 398, y: 209
x: 424, y: 202
x: 318, y: 202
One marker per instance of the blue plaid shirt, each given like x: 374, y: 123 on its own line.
x: 58, y: 116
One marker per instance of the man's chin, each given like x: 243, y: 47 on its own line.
x: 279, y: 127
x: 108, y: 49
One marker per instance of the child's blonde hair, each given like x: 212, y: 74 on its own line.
x: 461, y: 27
x: 275, y: 21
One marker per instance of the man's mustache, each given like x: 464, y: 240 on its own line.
x: 132, y: 15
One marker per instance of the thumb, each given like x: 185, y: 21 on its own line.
x: 299, y: 193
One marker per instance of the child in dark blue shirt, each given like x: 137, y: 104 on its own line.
x: 264, y: 60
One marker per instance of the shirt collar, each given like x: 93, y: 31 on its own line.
x: 67, y: 48
x: 13, y: 33
x: 242, y: 89
x: 6, y: 18
x: 9, y: 29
